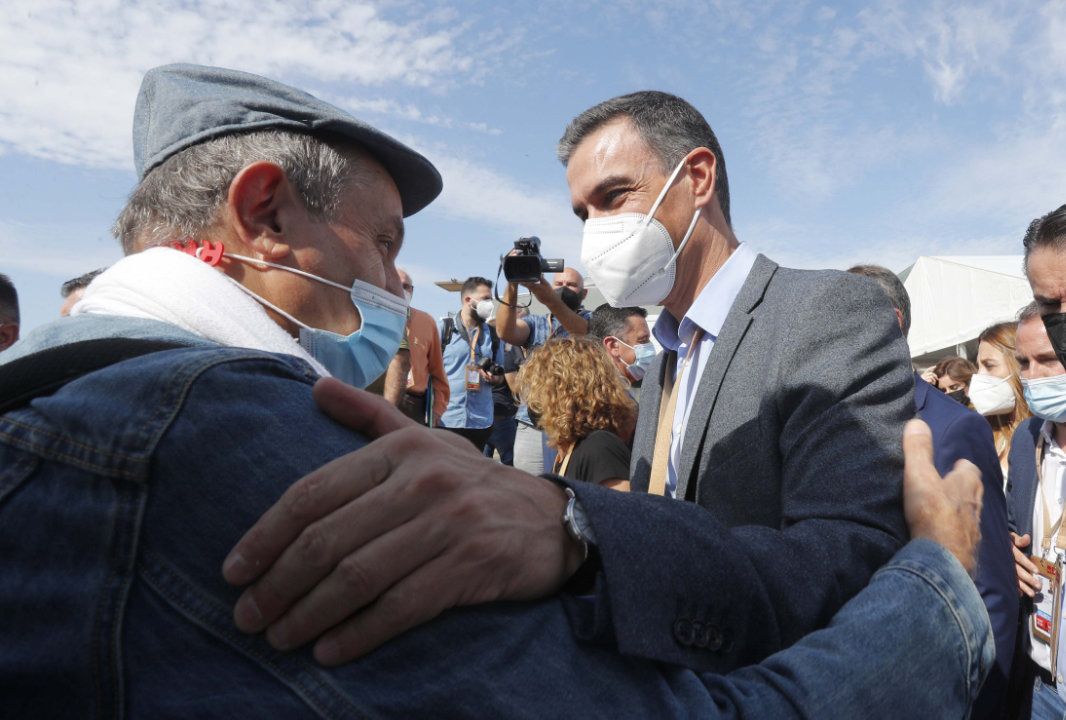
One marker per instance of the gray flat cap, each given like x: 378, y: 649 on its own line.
x: 181, y: 105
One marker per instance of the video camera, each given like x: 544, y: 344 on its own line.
x: 490, y: 367
x: 528, y: 265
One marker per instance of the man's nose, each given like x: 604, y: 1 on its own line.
x: 392, y: 281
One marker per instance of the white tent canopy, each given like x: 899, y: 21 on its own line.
x: 954, y: 298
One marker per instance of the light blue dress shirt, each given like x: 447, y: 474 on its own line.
x: 708, y: 313
x: 467, y: 409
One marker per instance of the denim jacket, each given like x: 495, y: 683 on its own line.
x: 122, y: 492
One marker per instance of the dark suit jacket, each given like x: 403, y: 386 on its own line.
x: 1021, y: 483
x: 1021, y: 498
x: 960, y: 433
x: 793, y: 464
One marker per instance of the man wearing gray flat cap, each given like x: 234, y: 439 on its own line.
x: 143, y: 435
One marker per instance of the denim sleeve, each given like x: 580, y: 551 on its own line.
x: 915, y: 643
x: 539, y: 330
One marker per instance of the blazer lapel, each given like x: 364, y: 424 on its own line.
x: 651, y: 393
x: 725, y: 347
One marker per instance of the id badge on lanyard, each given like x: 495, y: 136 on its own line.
x: 1046, y: 620
x: 473, y: 377
x: 1047, y: 606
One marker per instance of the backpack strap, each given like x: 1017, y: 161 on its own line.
x: 43, y: 373
x: 495, y: 342
x: 447, y: 331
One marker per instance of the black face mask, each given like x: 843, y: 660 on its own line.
x: 570, y: 298
x: 1056, y: 332
x: 959, y: 396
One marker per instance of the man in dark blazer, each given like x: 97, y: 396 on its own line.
x: 960, y: 433
x: 1036, y: 359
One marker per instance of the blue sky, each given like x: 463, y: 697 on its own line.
x: 869, y: 132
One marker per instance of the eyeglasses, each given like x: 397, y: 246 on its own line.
x: 408, y: 286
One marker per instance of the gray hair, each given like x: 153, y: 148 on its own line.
x: 892, y: 286
x: 181, y: 198
x: 607, y: 321
x: 670, y: 126
x: 1027, y: 313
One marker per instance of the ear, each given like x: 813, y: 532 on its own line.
x: 609, y: 344
x: 259, y: 201
x: 703, y: 172
x: 899, y: 318
x: 9, y: 335
x: 584, y: 294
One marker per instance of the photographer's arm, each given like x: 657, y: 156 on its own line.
x: 509, y: 326
x: 570, y: 320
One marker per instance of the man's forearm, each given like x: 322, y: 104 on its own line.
x: 858, y: 667
x: 508, y: 326
x: 570, y: 320
x: 755, y: 607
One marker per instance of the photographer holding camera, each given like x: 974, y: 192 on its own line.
x: 472, y: 351
x: 566, y: 316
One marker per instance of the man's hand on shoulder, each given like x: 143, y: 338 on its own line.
x: 945, y: 510
x: 385, y: 538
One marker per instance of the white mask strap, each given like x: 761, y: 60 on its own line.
x: 254, y: 261
x: 688, y: 234
x: 269, y: 304
x: 662, y: 193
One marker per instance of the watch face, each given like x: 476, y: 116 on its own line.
x: 577, y: 523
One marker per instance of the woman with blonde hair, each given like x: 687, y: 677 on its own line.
x: 580, y: 401
x: 996, y: 388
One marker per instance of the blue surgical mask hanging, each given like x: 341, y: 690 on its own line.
x: 363, y: 356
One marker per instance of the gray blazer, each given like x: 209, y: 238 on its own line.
x: 793, y: 445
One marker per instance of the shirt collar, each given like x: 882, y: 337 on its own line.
x: 1047, y: 430
x: 708, y: 312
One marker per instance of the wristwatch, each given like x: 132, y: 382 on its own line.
x: 577, y: 524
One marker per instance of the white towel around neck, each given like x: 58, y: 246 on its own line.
x: 173, y: 287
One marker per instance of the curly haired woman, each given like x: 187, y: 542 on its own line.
x: 580, y: 401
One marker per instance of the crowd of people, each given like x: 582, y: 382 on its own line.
x: 242, y: 474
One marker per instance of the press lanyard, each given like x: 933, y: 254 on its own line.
x: 473, y: 343
x: 1049, y: 528
x: 561, y: 463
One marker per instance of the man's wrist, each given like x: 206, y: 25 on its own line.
x: 543, y: 292
x: 578, y: 536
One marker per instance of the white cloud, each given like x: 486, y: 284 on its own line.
x: 802, y: 245
x: 69, y: 71
x: 475, y: 192
x: 954, y: 41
